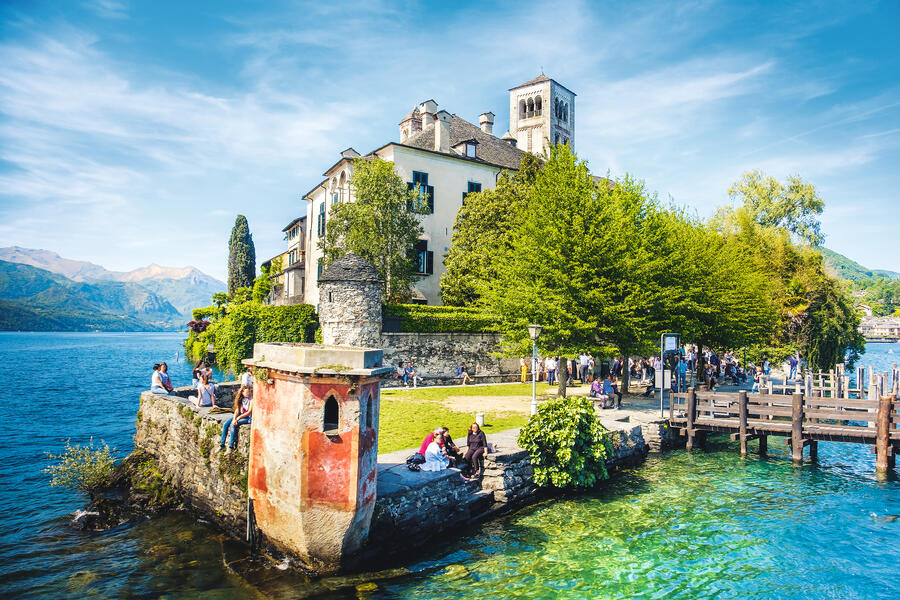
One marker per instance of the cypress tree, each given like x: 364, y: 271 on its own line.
x: 241, y: 256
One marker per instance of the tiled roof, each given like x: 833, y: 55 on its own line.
x: 539, y: 79
x: 490, y: 148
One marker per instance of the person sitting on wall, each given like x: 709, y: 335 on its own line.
x: 451, y: 450
x: 435, y: 459
x: 196, y: 373
x: 206, y: 392
x: 243, y: 400
x: 164, y: 377
x: 463, y: 373
x: 247, y: 378
x: 477, y: 446
x: 156, y: 384
x: 597, y: 392
x: 614, y: 389
x: 409, y: 375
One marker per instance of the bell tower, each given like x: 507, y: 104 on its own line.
x: 541, y: 113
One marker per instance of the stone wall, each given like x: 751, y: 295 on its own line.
x: 413, y: 508
x: 436, y: 356
x: 185, y: 442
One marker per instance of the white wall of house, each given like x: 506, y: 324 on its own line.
x: 450, y: 178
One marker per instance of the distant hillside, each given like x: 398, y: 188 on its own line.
x: 846, y: 268
x: 183, y: 287
x: 38, y: 300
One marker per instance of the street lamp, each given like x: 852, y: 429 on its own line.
x: 534, y: 331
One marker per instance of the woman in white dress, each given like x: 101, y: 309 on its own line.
x: 435, y: 460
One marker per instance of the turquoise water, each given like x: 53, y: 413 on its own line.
x: 700, y: 525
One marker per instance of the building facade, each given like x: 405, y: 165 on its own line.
x: 446, y: 157
x: 289, y: 281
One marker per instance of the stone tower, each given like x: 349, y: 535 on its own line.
x: 350, y: 303
x: 541, y: 112
x: 313, y: 469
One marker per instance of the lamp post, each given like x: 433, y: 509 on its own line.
x: 534, y: 331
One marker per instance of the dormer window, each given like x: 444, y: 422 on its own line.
x: 467, y: 148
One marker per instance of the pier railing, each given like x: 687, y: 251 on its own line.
x: 805, y: 420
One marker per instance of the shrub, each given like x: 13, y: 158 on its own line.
x: 204, y: 314
x: 438, y: 319
x: 567, y: 444
x: 83, y: 468
x: 291, y: 323
x: 244, y: 323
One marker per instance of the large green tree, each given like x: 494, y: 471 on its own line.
x: 794, y: 205
x: 578, y: 263
x: 241, y: 256
x: 381, y: 224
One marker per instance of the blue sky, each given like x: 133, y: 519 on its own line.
x: 134, y: 132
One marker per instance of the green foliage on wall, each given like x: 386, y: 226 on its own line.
x: 244, y: 323
x: 290, y: 323
x: 439, y: 319
x: 567, y: 444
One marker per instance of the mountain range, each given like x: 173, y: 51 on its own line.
x: 40, y: 290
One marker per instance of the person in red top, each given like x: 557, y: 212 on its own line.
x: 439, y: 433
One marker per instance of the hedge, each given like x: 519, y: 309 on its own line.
x: 421, y: 318
x: 246, y: 323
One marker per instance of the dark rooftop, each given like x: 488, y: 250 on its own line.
x: 490, y: 148
x: 350, y: 267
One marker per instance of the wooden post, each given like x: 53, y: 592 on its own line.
x: 742, y: 410
x: 671, y: 410
x: 830, y: 384
x: 771, y: 387
x: 845, y: 385
x: 861, y: 381
x: 691, y: 416
x: 797, y: 428
x: 763, y: 444
x: 813, y: 450
x: 882, y: 434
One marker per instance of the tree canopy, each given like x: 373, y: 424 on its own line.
x: 380, y: 225
x: 241, y: 256
x: 603, y: 266
x: 794, y: 205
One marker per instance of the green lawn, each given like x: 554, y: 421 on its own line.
x: 407, y: 416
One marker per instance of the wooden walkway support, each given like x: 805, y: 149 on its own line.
x: 804, y: 420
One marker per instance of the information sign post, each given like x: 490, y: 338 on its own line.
x: 669, y: 355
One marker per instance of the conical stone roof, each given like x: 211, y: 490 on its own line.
x: 350, y: 267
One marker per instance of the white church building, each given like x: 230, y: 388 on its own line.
x: 448, y: 157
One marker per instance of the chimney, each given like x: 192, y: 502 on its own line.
x: 442, y: 132
x: 428, y: 108
x: 486, y: 120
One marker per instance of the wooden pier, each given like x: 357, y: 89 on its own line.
x: 804, y: 419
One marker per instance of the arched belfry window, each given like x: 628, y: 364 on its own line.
x: 538, y: 105
x: 331, y: 415
x: 531, y: 107
x: 522, y: 109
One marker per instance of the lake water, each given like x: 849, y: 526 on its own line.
x: 701, y: 525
